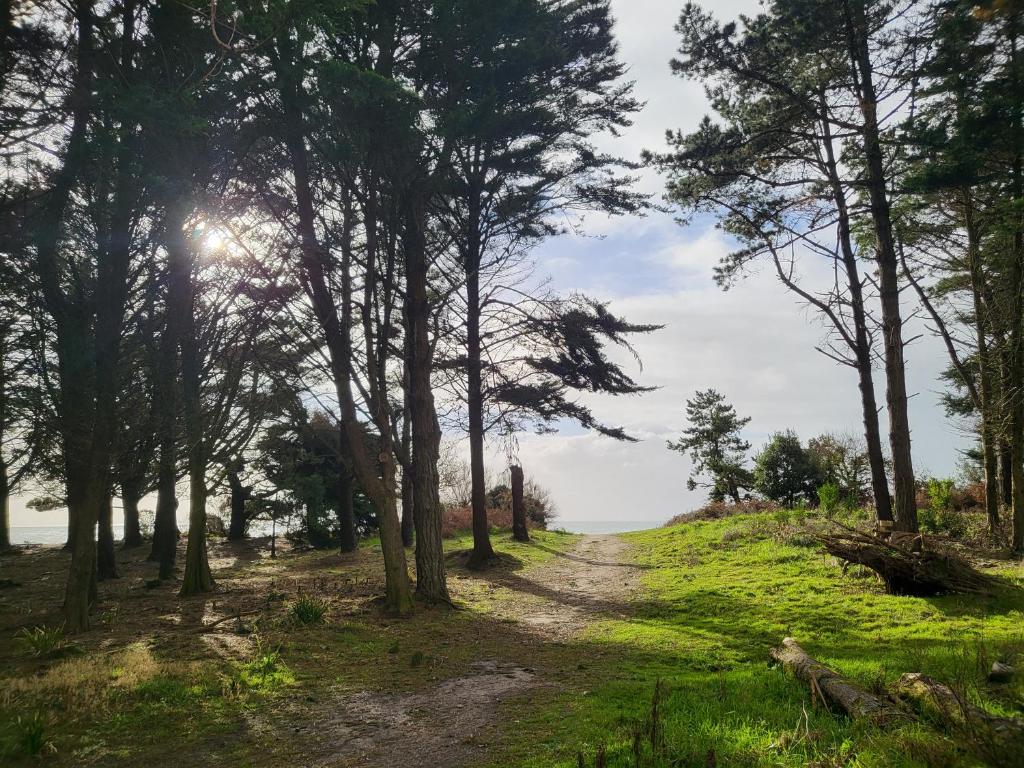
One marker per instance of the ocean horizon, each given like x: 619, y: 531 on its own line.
x: 57, y: 534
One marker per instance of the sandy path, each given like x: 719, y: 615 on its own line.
x: 437, y: 726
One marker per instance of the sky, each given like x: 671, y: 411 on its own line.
x: 754, y: 343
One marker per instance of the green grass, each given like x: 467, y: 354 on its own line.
x: 716, y: 596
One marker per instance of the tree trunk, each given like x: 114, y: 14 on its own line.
x: 408, y: 505
x: 106, y: 555
x: 347, y: 533
x: 483, y: 552
x: 1016, y: 393
x: 239, y: 495
x: 431, y: 581
x: 905, y: 490
x: 834, y: 689
x: 1005, y: 473
x: 132, y: 528
x: 519, y: 532
x: 5, y: 509
x: 197, y: 578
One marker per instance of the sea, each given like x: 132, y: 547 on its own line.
x: 57, y: 534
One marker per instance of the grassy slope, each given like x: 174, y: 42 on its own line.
x: 717, y: 595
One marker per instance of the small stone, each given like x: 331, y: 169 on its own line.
x: 1001, y: 673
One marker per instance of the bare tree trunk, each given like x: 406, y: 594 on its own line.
x: 519, y: 532
x: 5, y: 509
x: 132, y: 527
x: 1016, y: 393
x: 106, y: 556
x: 905, y: 496
x: 165, y: 522
x: 239, y: 495
x: 408, y: 492
x: 483, y: 552
x: 197, y: 578
x: 348, y: 535
x: 431, y: 582
x: 1005, y: 473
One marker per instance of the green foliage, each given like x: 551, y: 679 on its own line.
x: 785, y: 472
x: 829, y: 497
x: 309, y: 610
x: 718, y: 452
x: 940, y: 516
x: 44, y: 642
x: 264, y: 673
x: 30, y: 735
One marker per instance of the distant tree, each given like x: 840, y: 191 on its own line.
x: 785, y: 472
x: 843, y: 460
x: 716, y: 449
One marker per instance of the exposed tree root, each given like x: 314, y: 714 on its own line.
x: 908, y: 564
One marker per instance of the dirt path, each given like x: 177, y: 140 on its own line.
x: 438, y: 726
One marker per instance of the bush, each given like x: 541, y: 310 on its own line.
x: 940, y: 515
x: 829, y: 497
x: 717, y: 510
x: 309, y: 610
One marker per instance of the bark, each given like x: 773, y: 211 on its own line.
x: 519, y: 532
x: 197, y: 578
x: 905, y: 492
x: 483, y: 552
x: 106, y: 555
x: 349, y: 537
x: 431, y: 582
x: 165, y: 523
x: 239, y: 496
x: 5, y: 509
x: 1005, y: 474
x: 1016, y: 393
x: 408, y: 505
x: 130, y: 502
x: 833, y: 689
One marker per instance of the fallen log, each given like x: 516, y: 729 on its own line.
x: 995, y: 738
x: 917, y: 565
x: 829, y: 687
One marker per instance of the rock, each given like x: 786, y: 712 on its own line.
x: 1001, y: 673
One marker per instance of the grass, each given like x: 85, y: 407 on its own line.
x: 716, y: 596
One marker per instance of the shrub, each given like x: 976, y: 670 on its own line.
x: 829, y: 497
x: 309, y: 610
x: 940, y: 515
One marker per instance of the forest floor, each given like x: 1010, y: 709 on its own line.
x: 649, y: 648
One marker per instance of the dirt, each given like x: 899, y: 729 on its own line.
x: 441, y: 726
